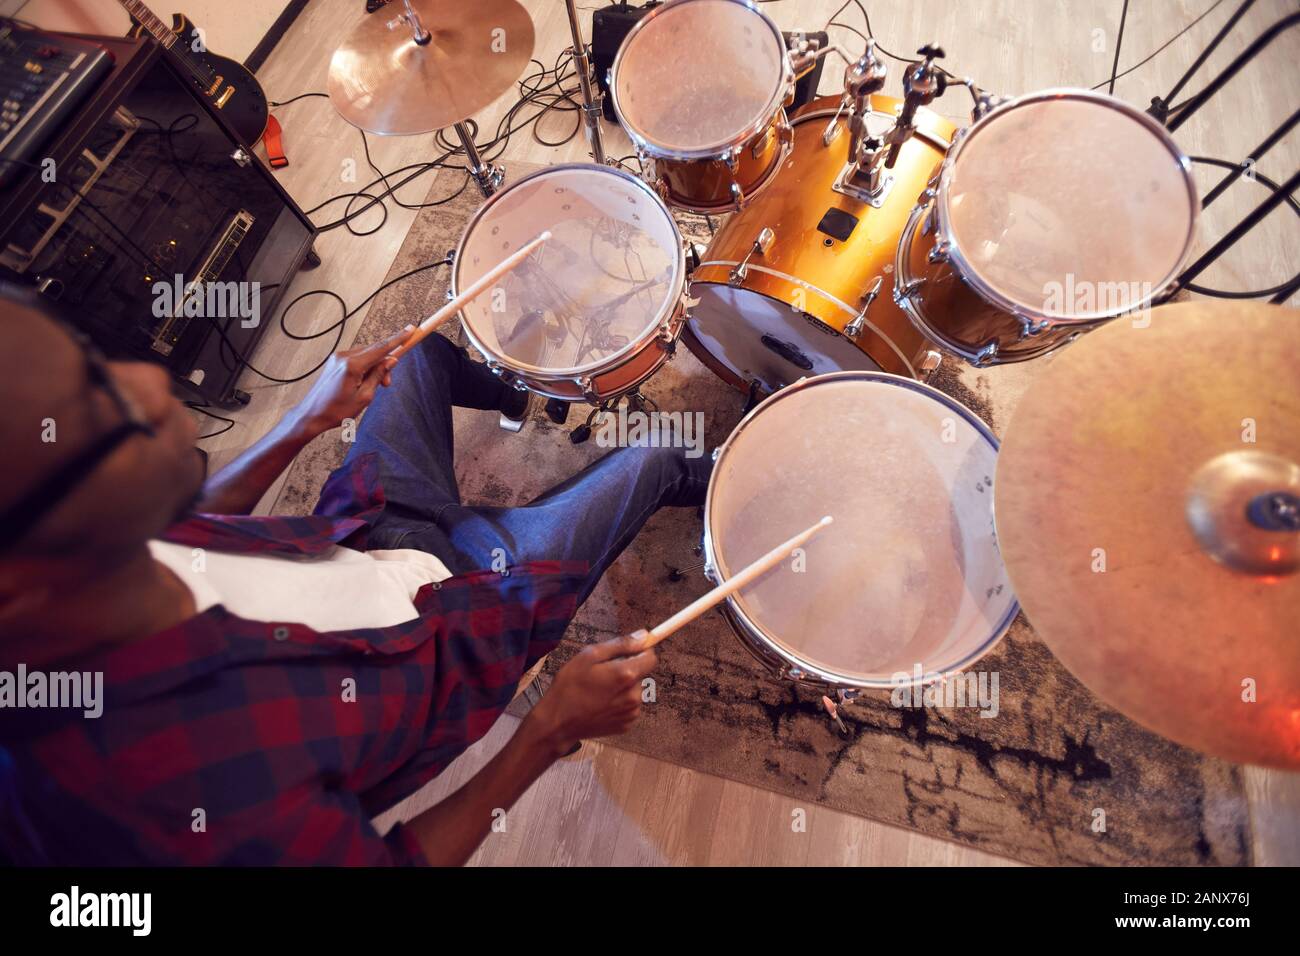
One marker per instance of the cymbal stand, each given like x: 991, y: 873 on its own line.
x: 590, y: 97
x: 488, y: 177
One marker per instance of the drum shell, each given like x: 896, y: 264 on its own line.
x: 613, y: 377
x: 953, y: 314
x: 789, y: 664
x: 609, y: 383
x: 705, y: 185
x: 831, y: 276
x: 949, y: 301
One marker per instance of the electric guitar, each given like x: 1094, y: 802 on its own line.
x: 227, y: 85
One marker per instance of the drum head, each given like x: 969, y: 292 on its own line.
x: 910, y: 572
x: 762, y: 340
x: 611, y: 272
x: 1069, y: 205
x: 696, y: 76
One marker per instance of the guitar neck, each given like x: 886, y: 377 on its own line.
x: 197, y: 66
x: 157, y: 29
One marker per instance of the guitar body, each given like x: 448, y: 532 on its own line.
x: 234, y: 91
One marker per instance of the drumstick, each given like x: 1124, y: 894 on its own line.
x: 476, y: 289
x: 727, y: 588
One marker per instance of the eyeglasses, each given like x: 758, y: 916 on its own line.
x: 28, y: 511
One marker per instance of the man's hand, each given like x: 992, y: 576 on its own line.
x: 347, y: 385
x: 596, y: 694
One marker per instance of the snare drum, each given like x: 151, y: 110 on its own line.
x: 598, y: 308
x: 1052, y: 213
x: 701, y: 88
x: 818, y: 297
x: 908, y: 577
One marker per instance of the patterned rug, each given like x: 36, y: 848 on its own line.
x: 1055, y: 778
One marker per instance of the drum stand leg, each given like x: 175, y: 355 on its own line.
x: 488, y: 177
x: 590, y: 98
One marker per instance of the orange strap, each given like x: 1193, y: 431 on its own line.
x: 274, y: 146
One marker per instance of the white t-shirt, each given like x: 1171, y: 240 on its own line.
x: 337, y: 590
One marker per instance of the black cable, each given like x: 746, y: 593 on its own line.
x: 337, y: 327
x: 1161, y: 48
x: 203, y: 408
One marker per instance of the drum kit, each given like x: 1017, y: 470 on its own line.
x: 865, y: 238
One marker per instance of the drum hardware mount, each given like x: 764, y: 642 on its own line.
x: 861, y: 177
x: 488, y: 177
x: 923, y: 82
x: 636, y: 402
x: 591, y: 97
x: 849, y: 183
x: 412, y: 19
x: 762, y: 245
x: 855, y: 327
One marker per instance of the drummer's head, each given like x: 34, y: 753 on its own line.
x: 99, y: 458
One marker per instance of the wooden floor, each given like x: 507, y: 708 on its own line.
x: 606, y: 806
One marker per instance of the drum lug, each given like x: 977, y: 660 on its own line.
x: 711, y: 574
x: 1029, y: 328
x: 732, y: 158
x: 927, y: 227
x: 854, y: 328
x: 667, y: 338
x: 762, y: 142
x: 714, y: 456
x: 794, y: 672
x: 902, y: 295
x: 987, y: 354
x: 930, y: 361
x: 938, y: 252
x: 761, y: 246
x: 506, y: 376
x: 832, y: 130
x: 737, y: 195
x: 588, y: 391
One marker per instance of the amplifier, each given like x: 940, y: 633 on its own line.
x: 43, y: 81
x: 610, y: 25
x: 161, y: 233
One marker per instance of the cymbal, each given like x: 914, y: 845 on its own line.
x: 1147, y: 503
x: 385, y: 82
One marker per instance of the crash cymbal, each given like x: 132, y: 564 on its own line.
x: 1148, y: 510
x: 384, y: 81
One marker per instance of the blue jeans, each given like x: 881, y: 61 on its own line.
x: 590, y: 518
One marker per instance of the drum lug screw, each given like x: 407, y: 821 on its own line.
x: 760, y: 248
x: 854, y: 328
x: 938, y: 252
x: 987, y: 354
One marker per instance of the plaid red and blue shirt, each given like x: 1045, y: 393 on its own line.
x: 231, y: 741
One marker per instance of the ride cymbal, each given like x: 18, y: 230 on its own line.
x: 384, y: 81
x: 1148, y: 510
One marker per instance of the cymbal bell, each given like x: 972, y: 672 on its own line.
x: 1147, y: 503
x: 383, y: 80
